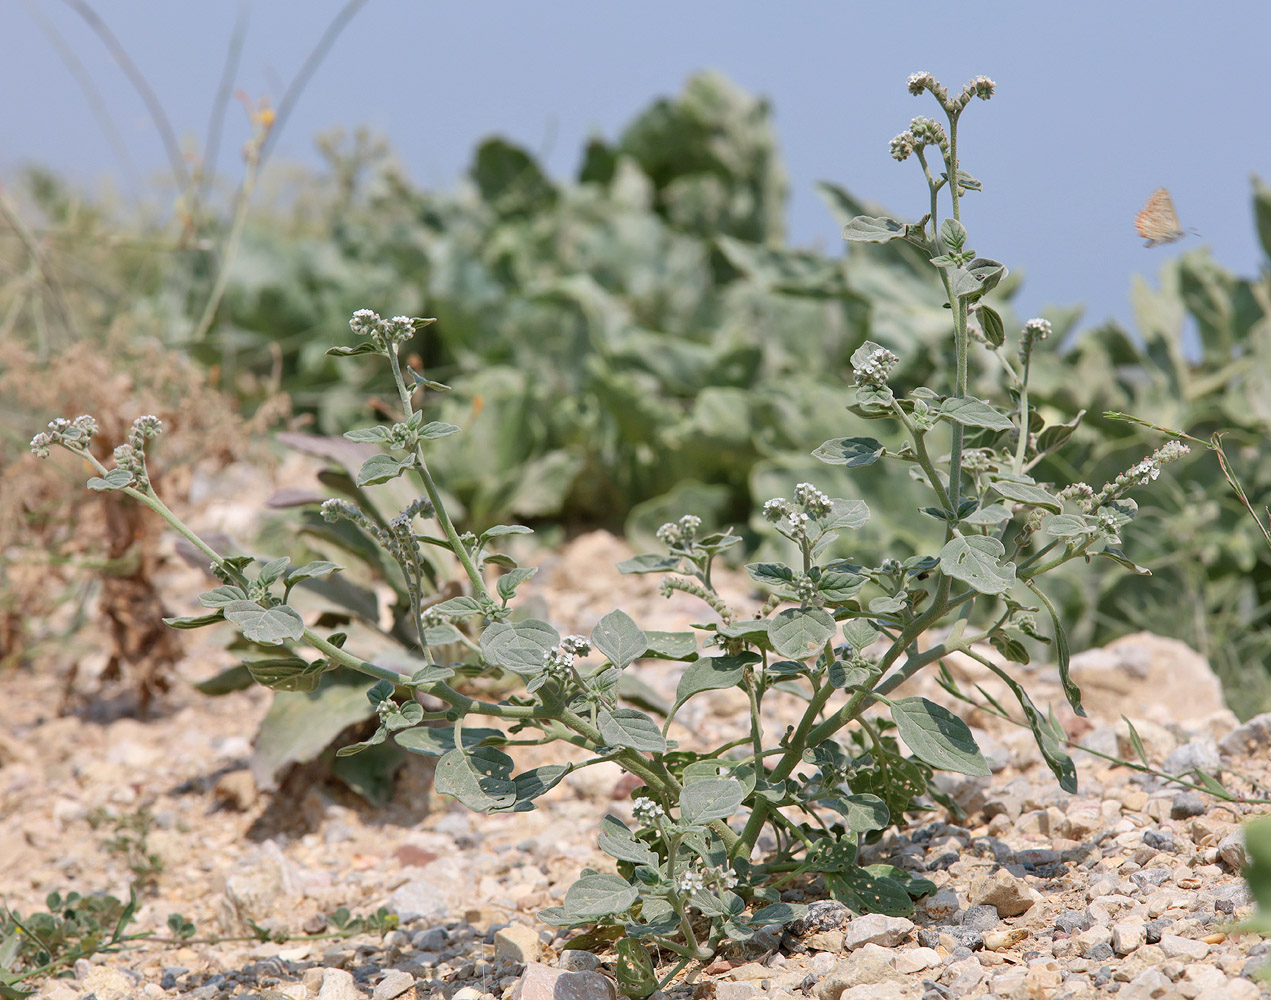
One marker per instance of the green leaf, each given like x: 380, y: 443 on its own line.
x: 368, y: 435
x: 868, y: 229
x: 953, y: 234
x: 799, y: 632
x: 671, y: 645
x: 382, y: 468
x: 1136, y: 742
x: 310, y: 570
x: 861, y: 813
x: 712, y: 673
x: 985, y: 517
x: 115, y: 479
x: 973, y: 560
x: 458, y: 607
x: 594, y: 896
x: 267, y: 626
x: 1071, y: 691
x: 649, y: 563
x: 1056, y: 435
x: 519, y: 646
x: 272, y: 570
x: 1258, y: 839
x: 711, y: 798
x: 617, y: 841
x: 431, y: 673
x: 618, y: 637
x: 972, y: 412
x: 435, y: 429
x: 374, y: 740
x: 992, y: 325
x: 980, y: 276
x: 434, y: 741
x: 845, y: 514
x: 860, y: 633
x: 288, y: 673
x: 1026, y: 493
x: 533, y: 783
x: 197, y: 622
x: 635, y: 973
x: 854, y: 452
x: 938, y: 737
x: 365, y: 347
x: 775, y: 576
x: 222, y: 596
x: 1069, y: 525
x: 235, y: 678
x: 480, y: 779
x: 512, y: 579
x: 778, y: 914
x: 863, y: 893
x: 626, y: 727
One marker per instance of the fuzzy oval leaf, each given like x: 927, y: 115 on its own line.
x: 196, y: 622
x: 845, y: 514
x: 711, y: 798
x: 973, y: 560
x: 619, y: 638
x: 853, y: 452
x: 519, y: 646
x: 972, y: 412
x: 861, y: 813
x: 992, y: 325
x: 433, y: 741
x: 712, y: 673
x: 871, y: 229
x: 797, y: 632
x: 1027, y: 493
x: 649, y: 563
x: 367, y: 435
x: 310, y: 570
x: 436, y: 429
x: 626, y: 727
x: 671, y: 645
x: 115, y: 479
x: 618, y: 842
x: 268, y: 626
x: 221, y: 596
x: 983, y: 517
x: 1068, y: 525
x: 288, y: 673
x: 382, y: 468
x: 480, y: 779
x: 594, y: 896
x: 938, y: 737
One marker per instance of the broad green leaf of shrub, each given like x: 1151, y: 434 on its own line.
x: 479, y: 778
x: 519, y: 646
x: 797, y: 632
x: 973, y: 559
x: 712, y: 798
x: 618, y: 637
x: 268, y: 626
x: 938, y: 737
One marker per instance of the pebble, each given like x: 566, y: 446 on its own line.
x: 517, y: 943
x: 877, y: 929
x: 394, y: 984
x: 419, y: 899
x: 1009, y: 895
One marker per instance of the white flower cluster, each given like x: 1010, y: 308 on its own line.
x: 384, y: 332
x: 813, y: 500
x: 679, y: 534
x: 72, y: 434
x: 646, y: 812
x: 692, y: 881
x: 874, y: 370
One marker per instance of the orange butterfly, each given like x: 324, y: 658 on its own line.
x: 1158, y: 222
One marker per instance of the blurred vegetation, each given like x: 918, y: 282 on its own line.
x: 641, y: 342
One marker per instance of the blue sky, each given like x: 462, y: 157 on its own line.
x: 1098, y: 103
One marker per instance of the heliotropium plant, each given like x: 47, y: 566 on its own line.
x: 840, y: 636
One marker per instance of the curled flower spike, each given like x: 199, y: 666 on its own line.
x: 1035, y: 331
x: 929, y: 132
x: 1142, y: 473
x: 918, y: 82
x: 902, y: 147
x: 646, y: 812
x: 577, y: 645
x: 812, y: 499
x: 679, y: 534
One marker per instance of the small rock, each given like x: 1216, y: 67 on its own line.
x: 1175, y: 946
x: 1072, y: 921
x: 577, y: 960
x: 1002, y: 940
x: 1128, y: 936
x: 869, y: 966
x: 1232, y: 851
x: 517, y: 943
x: 467, y: 993
x: 980, y: 917
x: 941, y: 905
x: 1009, y: 895
x: 235, y: 791
x: 725, y: 990
x: 419, y: 899
x: 916, y: 960
x: 338, y: 985
x: 1185, y: 805
x: 1249, y: 737
x: 433, y: 939
x: 1154, y: 929
x: 822, y: 915
x: 107, y: 983
x: 1198, y: 755
x: 875, y: 928
x: 542, y: 982
x: 1161, y: 840
x: 394, y: 984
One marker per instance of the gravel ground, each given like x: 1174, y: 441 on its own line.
x: 1129, y: 887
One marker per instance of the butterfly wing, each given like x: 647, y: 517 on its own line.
x: 1158, y: 221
